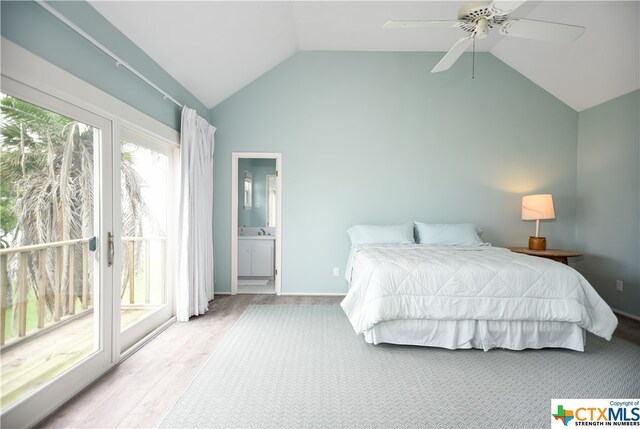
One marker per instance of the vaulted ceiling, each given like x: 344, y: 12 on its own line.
x: 214, y: 48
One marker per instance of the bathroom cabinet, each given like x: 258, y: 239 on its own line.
x: 256, y: 257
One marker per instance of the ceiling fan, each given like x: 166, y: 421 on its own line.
x: 477, y: 17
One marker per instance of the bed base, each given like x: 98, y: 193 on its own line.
x: 479, y: 334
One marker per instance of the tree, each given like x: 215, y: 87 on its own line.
x: 47, y: 193
x: 8, y: 219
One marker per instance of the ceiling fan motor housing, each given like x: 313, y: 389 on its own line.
x: 479, y: 16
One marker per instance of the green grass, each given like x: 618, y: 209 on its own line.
x: 32, y: 317
x: 11, y: 326
x: 139, y: 292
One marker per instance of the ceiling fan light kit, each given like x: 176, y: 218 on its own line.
x: 478, y: 17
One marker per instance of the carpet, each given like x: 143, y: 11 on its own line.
x: 296, y: 366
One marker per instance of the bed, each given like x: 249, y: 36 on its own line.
x: 484, y: 297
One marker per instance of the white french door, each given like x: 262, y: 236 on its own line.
x: 99, y: 278
x: 58, y: 270
x: 146, y: 233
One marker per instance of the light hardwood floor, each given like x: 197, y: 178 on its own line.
x: 139, y: 391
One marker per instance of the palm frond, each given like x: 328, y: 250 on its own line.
x: 33, y: 116
x: 54, y: 195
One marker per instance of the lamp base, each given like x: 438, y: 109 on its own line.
x: 537, y: 243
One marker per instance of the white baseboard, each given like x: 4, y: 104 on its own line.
x: 625, y: 314
x: 296, y: 293
x: 312, y: 294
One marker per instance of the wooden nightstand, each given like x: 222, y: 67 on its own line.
x: 554, y: 254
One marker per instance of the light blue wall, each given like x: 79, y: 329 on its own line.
x: 32, y: 27
x: 370, y: 137
x: 256, y: 216
x: 373, y: 137
x: 608, y: 199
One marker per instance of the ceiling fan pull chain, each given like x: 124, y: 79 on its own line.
x: 473, y: 60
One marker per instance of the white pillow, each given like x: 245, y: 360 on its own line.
x: 381, y: 234
x: 452, y: 234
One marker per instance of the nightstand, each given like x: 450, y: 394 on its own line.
x: 553, y: 254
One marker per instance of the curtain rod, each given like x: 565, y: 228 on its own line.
x: 119, y: 61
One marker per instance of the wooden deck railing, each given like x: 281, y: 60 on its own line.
x: 59, y: 311
x: 131, y: 260
x: 22, y: 283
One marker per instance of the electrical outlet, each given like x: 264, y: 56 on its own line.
x: 619, y: 285
x: 336, y: 272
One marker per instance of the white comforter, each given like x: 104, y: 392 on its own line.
x: 391, y: 282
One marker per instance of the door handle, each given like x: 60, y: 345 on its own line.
x: 110, y: 249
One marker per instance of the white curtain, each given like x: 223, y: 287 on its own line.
x: 195, y: 233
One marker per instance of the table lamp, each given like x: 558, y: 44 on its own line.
x: 536, y: 207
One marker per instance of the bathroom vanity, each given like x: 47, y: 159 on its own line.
x: 256, y: 255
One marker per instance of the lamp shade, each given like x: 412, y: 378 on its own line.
x: 535, y: 207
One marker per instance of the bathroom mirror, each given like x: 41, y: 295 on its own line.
x: 258, y: 195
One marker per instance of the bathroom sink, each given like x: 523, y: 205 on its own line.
x: 256, y: 237
x: 260, y: 233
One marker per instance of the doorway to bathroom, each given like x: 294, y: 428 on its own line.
x: 256, y: 207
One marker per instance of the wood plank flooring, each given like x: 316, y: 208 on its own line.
x: 139, y: 391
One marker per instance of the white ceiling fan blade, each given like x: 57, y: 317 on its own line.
x: 541, y: 30
x: 454, y: 53
x: 421, y: 24
x: 506, y: 5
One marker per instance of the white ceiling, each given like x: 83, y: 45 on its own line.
x: 214, y: 48
x: 602, y: 64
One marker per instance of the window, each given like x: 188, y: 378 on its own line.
x: 248, y: 193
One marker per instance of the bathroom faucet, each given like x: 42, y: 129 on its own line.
x: 263, y: 231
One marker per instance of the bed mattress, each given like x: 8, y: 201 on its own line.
x: 463, y: 297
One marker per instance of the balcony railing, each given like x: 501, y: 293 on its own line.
x: 60, y: 277
x: 22, y: 283
x: 131, y: 260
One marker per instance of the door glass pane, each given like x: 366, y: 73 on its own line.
x: 144, y: 190
x: 48, y: 269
